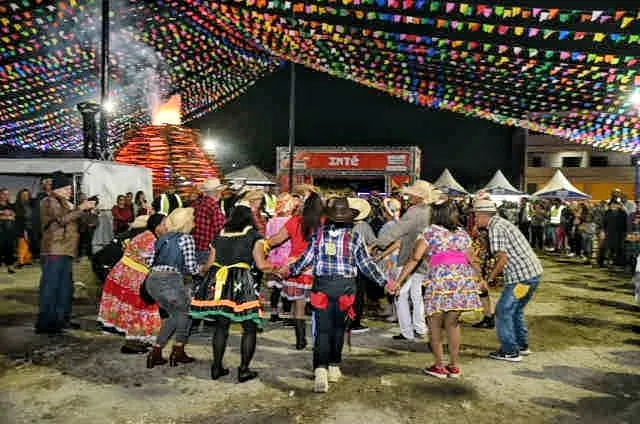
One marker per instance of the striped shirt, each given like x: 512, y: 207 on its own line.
x: 523, y: 264
x: 338, y: 252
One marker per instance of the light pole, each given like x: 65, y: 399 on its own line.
x: 104, y: 79
x: 292, y: 115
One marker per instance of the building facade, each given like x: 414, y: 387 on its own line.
x: 593, y: 171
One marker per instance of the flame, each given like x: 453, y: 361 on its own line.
x: 168, y: 113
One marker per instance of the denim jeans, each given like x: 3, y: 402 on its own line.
x: 56, y: 293
x: 510, y: 323
x: 167, y: 288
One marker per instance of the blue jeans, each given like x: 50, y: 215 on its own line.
x: 510, y: 323
x: 56, y: 293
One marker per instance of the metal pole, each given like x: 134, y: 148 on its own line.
x: 292, y: 118
x: 104, y: 78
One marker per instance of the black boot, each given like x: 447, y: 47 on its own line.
x: 247, y: 349
x: 220, y: 335
x: 301, y: 339
x: 487, y: 322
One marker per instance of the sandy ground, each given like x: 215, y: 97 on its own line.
x: 585, y: 368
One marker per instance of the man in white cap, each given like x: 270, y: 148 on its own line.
x: 522, y: 272
x: 418, y: 217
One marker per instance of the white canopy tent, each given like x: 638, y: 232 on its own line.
x: 561, y: 188
x: 105, y: 179
x: 449, y: 185
x: 251, y: 176
x: 501, y: 190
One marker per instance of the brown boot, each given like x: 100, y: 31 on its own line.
x: 178, y: 356
x: 155, y: 357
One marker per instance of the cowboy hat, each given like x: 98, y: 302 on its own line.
x: 424, y: 190
x: 392, y: 206
x: 484, y: 206
x: 339, y: 211
x: 253, y: 195
x: 212, y: 185
x: 362, y: 206
x: 181, y: 220
x: 140, y: 222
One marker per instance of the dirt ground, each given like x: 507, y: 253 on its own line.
x: 585, y: 368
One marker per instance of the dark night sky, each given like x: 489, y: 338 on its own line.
x: 332, y: 111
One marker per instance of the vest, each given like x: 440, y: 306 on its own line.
x: 556, y: 215
x: 169, y: 202
x: 168, y: 252
x: 270, y: 202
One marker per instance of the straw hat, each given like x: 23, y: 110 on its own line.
x: 484, y: 206
x: 362, y: 206
x: 285, y: 204
x: 301, y: 189
x: 392, y: 206
x: 181, y: 220
x: 424, y: 190
x: 212, y: 185
x: 140, y: 222
x: 253, y: 195
x: 340, y: 212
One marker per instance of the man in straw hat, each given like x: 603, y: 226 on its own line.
x: 337, y: 255
x: 522, y: 272
x: 418, y: 217
x: 365, y: 231
x: 254, y: 200
x: 209, y: 220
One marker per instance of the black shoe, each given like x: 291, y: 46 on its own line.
x: 399, y: 337
x: 506, y: 356
x: 289, y: 322
x: 10, y: 271
x: 275, y: 318
x: 246, y: 375
x: 487, y: 323
x: 359, y: 329
x: 301, y: 337
x: 217, y: 372
x: 72, y: 325
x: 127, y: 349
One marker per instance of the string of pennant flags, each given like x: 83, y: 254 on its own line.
x: 566, y: 72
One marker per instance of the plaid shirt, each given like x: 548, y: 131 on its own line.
x: 523, y: 264
x: 338, y: 252
x: 188, y: 248
x: 209, y: 221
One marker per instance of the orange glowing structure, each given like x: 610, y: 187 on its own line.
x: 172, y: 152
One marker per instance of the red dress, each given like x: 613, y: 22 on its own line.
x: 296, y: 288
x: 121, y: 306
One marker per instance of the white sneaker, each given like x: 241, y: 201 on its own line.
x: 525, y: 352
x: 321, y: 381
x: 334, y: 374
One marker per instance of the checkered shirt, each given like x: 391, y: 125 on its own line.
x: 188, y: 248
x: 338, y: 252
x: 523, y: 264
x: 209, y: 221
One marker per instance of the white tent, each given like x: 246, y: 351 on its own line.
x: 449, y: 185
x: 560, y: 187
x: 251, y: 176
x: 500, y: 186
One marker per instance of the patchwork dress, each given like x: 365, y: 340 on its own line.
x: 121, y: 306
x: 451, y: 283
x: 231, y: 288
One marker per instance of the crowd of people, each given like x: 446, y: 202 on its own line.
x: 415, y: 257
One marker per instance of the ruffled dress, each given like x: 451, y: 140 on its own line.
x: 279, y: 256
x: 121, y: 306
x: 451, y: 283
x: 299, y: 287
x: 231, y: 288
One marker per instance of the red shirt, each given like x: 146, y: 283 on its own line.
x: 298, y: 244
x: 209, y: 221
x: 121, y: 218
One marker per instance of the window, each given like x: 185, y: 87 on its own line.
x: 532, y: 188
x: 599, y: 161
x: 571, y: 161
x: 535, y: 162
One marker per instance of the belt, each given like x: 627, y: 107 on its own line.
x: 135, y: 265
x: 221, y: 276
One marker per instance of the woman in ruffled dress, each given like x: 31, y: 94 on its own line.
x: 299, y: 230
x: 121, y: 307
x: 285, y: 206
x: 231, y: 290
x: 452, y: 284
